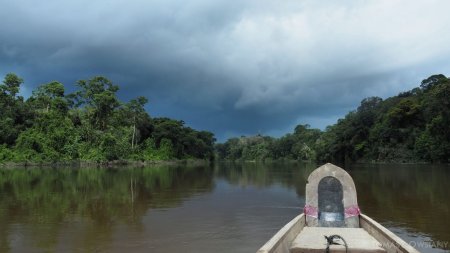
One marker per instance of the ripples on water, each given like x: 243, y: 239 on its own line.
x: 225, y: 208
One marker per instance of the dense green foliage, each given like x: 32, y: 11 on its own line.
x: 412, y: 126
x: 300, y: 145
x: 90, y: 124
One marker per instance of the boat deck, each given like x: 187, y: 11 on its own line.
x: 288, y: 239
x: 312, y: 240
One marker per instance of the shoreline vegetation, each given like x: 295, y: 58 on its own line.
x: 102, y: 164
x: 92, y: 127
x: 90, y: 124
x: 412, y: 127
x: 186, y: 162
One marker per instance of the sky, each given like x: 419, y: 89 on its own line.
x: 231, y: 67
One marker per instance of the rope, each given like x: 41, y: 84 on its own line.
x: 330, y: 241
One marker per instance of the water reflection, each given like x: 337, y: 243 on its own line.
x: 229, y: 207
x: 415, y: 197
x: 36, y: 204
x: 291, y: 175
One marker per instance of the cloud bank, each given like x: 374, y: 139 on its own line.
x: 231, y: 67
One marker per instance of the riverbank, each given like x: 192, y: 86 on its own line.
x: 101, y: 164
x: 360, y: 161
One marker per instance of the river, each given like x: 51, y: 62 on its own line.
x: 227, y: 207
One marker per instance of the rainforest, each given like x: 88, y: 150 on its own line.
x: 92, y: 124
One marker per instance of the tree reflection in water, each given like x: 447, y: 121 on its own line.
x: 238, y: 206
x: 43, y: 200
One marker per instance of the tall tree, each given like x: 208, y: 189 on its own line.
x: 50, y: 96
x: 98, y: 95
x: 14, y: 116
x: 11, y: 84
x: 137, y: 110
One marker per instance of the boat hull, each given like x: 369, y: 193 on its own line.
x: 281, y: 242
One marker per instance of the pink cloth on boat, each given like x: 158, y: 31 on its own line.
x: 352, y: 211
x: 349, y: 211
x: 310, y: 211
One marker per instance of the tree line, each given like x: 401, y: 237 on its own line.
x: 410, y: 127
x: 90, y: 124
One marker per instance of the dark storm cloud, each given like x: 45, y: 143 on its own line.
x: 231, y: 67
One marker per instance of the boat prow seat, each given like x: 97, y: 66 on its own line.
x: 331, y: 208
x: 331, y: 199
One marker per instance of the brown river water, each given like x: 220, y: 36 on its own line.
x: 226, y: 207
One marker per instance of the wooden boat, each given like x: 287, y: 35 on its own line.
x: 332, y: 221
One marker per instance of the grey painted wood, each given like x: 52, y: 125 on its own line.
x: 331, y: 207
x: 348, y: 188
